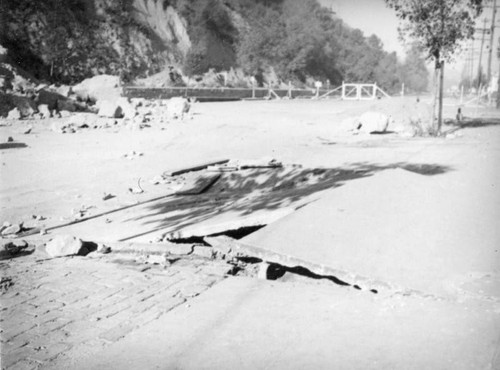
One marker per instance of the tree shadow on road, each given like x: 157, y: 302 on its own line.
x: 244, y: 193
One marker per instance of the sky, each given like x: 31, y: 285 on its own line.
x: 374, y: 17
x: 371, y: 17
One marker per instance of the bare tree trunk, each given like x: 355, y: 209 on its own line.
x: 434, y: 100
x: 440, y: 108
x: 498, y: 91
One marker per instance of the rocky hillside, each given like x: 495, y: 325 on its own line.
x: 65, y: 41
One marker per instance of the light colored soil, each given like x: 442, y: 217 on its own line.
x: 58, y: 173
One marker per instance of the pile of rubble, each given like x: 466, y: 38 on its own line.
x: 86, y: 105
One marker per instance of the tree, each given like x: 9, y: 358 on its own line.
x: 414, y: 71
x: 437, y: 26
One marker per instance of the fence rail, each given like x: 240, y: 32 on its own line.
x: 345, y: 91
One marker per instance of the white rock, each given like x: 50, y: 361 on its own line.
x: 177, y: 107
x: 372, y: 121
x: 63, y: 245
x: 13, y: 229
x: 14, y: 114
x: 110, y: 109
x: 128, y: 108
x: 44, y: 110
x: 97, y: 88
x: 64, y: 90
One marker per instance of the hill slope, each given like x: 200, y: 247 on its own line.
x: 298, y: 40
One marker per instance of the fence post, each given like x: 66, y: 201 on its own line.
x: 289, y: 89
x: 343, y: 90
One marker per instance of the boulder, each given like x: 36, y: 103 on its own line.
x: 128, y: 108
x: 44, y: 110
x: 102, y: 87
x: 66, y: 105
x: 49, y: 98
x: 14, y: 114
x: 63, y: 90
x: 25, y: 105
x: 64, y: 245
x: 12, y: 229
x: 13, y: 248
x: 372, y: 122
x: 177, y: 107
x: 109, y: 108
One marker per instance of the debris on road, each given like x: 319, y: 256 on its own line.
x: 15, y: 248
x: 12, y: 229
x: 64, y: 245
x: 108, y: 196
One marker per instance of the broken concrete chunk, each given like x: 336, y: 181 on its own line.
x: 44, y: 110
x: 128, y: 109
x: 221, y: 244
x: 103, y: 249
x: 177, y: 107
x: 12, y: 229
x: 14, y: 114
x: 370, y: 122
x: 203, y: 251
x: 158, y: 259
x: 108, y: 196
x: 63, y: 90
x: 98, y: 88
x: 64, y: 245
x: 14, y: 248
x: 110, y: 109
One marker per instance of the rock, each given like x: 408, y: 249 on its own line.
x: 128, y: 108
x: 64, y: 245
x: 177, y: 107
x: 372, y: 122
x: 97, y: 88
x: 110, y: 109
x: 103, y: 249
x: 66, y: 105
x: 44, y: 110
x: 14, y: 114
x: 13, y: 229
x: 13, y: 248
x: 138, y: 102
x: 108, y: 196
x: 27, y: 131
x: 157, y: 259
x: 10, y: 139
x: 25, y: 105
x: 63, y: 90
x: 202, y: 251
x: 49, y: 98
x: 5, y: 225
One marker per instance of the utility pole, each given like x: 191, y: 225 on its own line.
x: 492, y: 33
x: 480, y: 67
